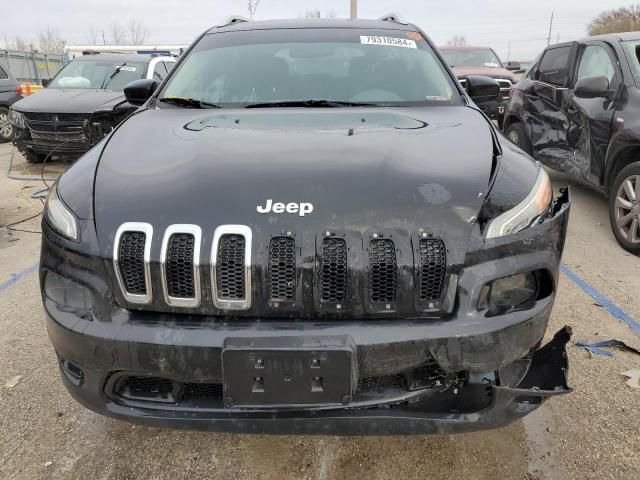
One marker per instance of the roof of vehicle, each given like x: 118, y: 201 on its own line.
x: 463, y: 47
x: 313, y: 23
x: 117, y: 57
x: 624, y: 36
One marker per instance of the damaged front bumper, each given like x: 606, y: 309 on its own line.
x: 468, y: 371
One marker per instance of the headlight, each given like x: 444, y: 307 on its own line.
x: 67, y: 293
x: 61, y: 219
x: 16, y: 118
x: 524, y: 214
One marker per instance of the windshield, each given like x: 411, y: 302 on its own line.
x: 339, y: 65
x: 471, y: 58
x: 98, y: 74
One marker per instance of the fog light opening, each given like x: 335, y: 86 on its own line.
x: 67, y: 293
x: 514, y: 292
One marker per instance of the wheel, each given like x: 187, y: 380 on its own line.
x: 516, y: 134
x: 5, y: 125
x: 624, y: 208
x: 33, y: 157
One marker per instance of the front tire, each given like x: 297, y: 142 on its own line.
x: 624, y: 208
x: 6, y: 130
x: 516, y: 135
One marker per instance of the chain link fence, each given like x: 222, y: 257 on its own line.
x: 31, y: 66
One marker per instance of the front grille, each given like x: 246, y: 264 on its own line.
x: 230, y: 268
x: 282, y: 269
x: 150, y: 388
x: 201, y: 391
x: 432, y: 269
x: 380, y: 384
x: 333, y: 271
x: 179, y: 266
x: 383, y: 271
x: 131, y: 262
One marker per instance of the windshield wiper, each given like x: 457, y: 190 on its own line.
x: 188, y: 102
x: 309, y: 104
x: 106, y: 81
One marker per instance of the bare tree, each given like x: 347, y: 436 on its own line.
x: 252, y: 6
x: 19, y: 43
x: 457, y: 41
x: 318, y: 14
x: 118, y: 34
x: 625, y: 19
x: 94, y: 35
x: 137, y: 32
x: 50, y: 41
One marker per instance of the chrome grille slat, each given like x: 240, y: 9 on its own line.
x: 180, y: 265
x: 231, y: 267
x: 131, y: 264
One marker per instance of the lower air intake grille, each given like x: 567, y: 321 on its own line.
x: 179, y: 266
x: 433, y: 269
x: 333, y: 271
x: 131, y: 262
x: 282, y: 269
x: 383, y: 271
x: 230, y: 268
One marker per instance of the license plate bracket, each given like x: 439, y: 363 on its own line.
x: 288, y: 371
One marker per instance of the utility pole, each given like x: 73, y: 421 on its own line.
x: 354, y: 8
x: 509, y: 51
x: 550, y: 26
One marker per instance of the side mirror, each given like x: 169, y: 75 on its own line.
x: 482, y: 89
x: 139, y: 91
x: 513, y: 66
x: 592, y: 87
x: 45, y: 82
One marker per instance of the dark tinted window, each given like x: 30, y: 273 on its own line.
x: 3, y: 74
x: 554, y: 66
x: 159, y: 71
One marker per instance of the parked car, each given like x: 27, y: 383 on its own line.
x: 577, y: 111
x: 9, y: 94
x: 310, y: 249
x: 81, y: 104
x: 469, y: 60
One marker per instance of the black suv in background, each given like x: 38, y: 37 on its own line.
x: 81, y: 104
x: 577, y: 110
x: 9, y: 94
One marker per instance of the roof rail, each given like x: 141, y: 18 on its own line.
x: 233, y: 19
x: 391, y: 17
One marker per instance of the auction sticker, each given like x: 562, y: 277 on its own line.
x: 388, y: 41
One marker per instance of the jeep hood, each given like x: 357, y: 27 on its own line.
x: 54, y: 100
x: 362, y: 170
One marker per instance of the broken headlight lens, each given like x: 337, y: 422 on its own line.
x: 526, y: 212
x: 16, y: 118
x: 508, y: 293
x: 59, y: 217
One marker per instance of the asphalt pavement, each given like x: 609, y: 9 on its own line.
x: 592, y: 433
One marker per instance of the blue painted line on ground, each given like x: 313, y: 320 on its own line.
x: 17, y: 276
x: 612, y: 308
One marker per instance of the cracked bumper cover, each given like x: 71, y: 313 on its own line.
x: 142, y: 343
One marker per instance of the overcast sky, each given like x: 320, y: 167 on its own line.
x: 523, y: 24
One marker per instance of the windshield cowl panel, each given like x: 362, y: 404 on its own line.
x: 311, y: 68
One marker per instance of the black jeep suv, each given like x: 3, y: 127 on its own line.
x: 577, y: 110
x: 307, y: 227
